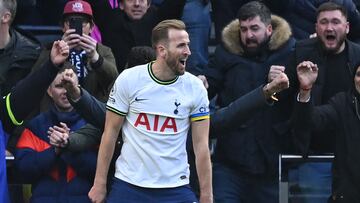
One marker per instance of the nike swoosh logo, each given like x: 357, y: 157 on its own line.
x: 137, y: 99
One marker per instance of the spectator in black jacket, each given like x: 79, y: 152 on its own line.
x: 336, y: 58
x: 18, y: 52
x: 341, y: 115
x: 22, y: 99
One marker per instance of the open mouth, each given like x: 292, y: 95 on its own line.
x: 182, y: 61
x: 330, y: 37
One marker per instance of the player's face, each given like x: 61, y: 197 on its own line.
x: 135, y: 9
x: 332, y: 28
x: 357, y: 80
x: 58, y: 94
x: 178, y: 51
x: 253, y: 33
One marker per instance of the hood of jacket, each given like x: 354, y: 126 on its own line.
x: 280, y: 35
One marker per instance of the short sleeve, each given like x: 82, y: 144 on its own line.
x: 200, y: 109
x: 119, y: 101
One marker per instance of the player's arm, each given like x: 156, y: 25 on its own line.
x: 113, y: 123
x: 200, y: 136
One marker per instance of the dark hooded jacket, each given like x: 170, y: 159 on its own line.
x: 342, y: 115
x: 251, y: 146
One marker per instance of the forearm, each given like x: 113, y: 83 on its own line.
x: 200, y: 135
x: 238, y: 111
x: 84, y: 138
x: 204, y: 171
x: 106, y: 152
x: 26, y: 95
x: 91, y: 109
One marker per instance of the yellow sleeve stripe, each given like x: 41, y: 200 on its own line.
x: 200, y: 118
x: 11, y: 115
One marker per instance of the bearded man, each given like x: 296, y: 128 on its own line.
x: 336, y: 58
x: 246, y: 154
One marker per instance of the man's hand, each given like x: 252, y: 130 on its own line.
x: 89, y: 44
x: 279, y: 83
x: 97, y: 193
x: 59, y: 52
x: 274, y: 72
x: 307, y: 73
x: 204, y: 80
x: 71, y: 38
x: 70, y: 82
x: 59, y: 135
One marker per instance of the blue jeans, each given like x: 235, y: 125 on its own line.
x: 124, y: 192
x: 231, y: 186
x: 196, y: 16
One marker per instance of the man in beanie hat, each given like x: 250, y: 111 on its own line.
x: 94, y: 62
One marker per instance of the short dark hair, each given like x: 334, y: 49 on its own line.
x: 140, y: 55
x: 253, y: 9
x: 9, y: 5
x: 331, y: 6
x: 161, y: 30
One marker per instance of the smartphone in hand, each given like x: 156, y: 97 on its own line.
x: 76, y: 23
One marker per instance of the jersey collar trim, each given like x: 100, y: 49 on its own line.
x: 161, y: 82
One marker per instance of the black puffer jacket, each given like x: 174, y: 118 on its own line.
x: 252, y: 146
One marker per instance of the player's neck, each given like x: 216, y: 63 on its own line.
x: 162, y: 71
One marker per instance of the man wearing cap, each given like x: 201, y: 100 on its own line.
x: 94, y: 62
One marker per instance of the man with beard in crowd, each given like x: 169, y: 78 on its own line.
x: 245, y: 164
x: 336, y: 58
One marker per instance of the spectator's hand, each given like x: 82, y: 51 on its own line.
x: 97, y: 194
x: 89, y: 44
x: 71, y: 38
x: 278, y: 84
x: 307, y: 73
x: 204, y: 80
x: 59, y: 135
x: 59, y: 52
x: 70, y: 82
x: 274, y: 72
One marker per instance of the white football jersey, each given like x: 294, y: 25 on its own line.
x: 157, y: 119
